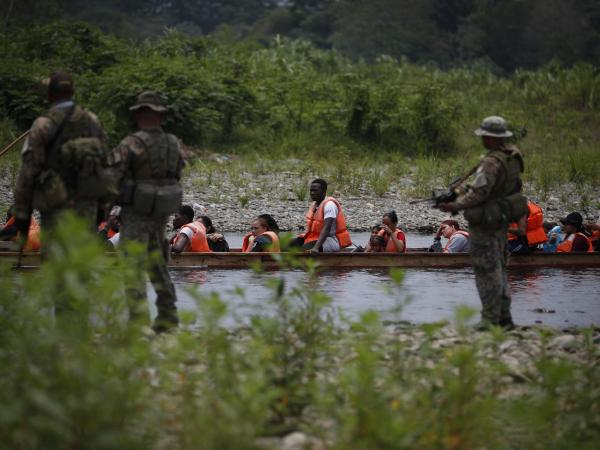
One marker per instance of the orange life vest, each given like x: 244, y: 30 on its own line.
x: 390, y: 247
x: 33, y: 243
x: 248, y: 241
x: 110, y: 233
x: 535, y: 226
x: 566, y: 246
x: 198, y: 242
x: 464, y: 233
x: 315, y: 221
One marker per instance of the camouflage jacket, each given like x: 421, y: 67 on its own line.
x: 35, y: 154
x: 132, y: 160
x: 493, y: 178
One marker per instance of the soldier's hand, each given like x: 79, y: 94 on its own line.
x: 22, y: 226
x: 447, y: 207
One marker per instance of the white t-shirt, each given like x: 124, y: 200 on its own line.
x: 331, y: 212
x: 115, y: 240
x: 187, y: 231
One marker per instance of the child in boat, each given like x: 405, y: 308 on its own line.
x: 376, y: 245
x: 216, y: 241
x: 554, y: 234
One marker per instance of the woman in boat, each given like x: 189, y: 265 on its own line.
x: 216, y: 241
x: 576, y: 237
x: 395, y: 241
x: 458, y: 240
x: 263, y: 237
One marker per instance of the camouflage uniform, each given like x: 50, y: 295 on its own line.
x: 497, y: 177
x: 149, y: 156
x: 40, y: 153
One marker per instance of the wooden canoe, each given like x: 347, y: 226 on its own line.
x: 238, y: 260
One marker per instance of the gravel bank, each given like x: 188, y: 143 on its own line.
x: 274, y: 194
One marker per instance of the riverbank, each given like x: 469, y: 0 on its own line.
x: 233, y: 198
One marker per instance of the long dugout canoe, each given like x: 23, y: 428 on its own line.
x: 238, y: 260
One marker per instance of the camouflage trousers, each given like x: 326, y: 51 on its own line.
x: 489, y: 255
x: 151, y: 258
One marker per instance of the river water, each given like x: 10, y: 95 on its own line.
x: 549, y: 296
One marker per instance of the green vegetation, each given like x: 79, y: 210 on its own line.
x: 88, y: 380
x: 290, y: 106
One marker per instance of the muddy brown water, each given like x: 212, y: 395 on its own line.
x: 549, y: 296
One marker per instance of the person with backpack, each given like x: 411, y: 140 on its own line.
x: 63, y: 162
x: 148, y: 166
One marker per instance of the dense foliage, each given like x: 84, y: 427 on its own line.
x: 290, y: 99
x: 86, y: 379
x: 504, y: 35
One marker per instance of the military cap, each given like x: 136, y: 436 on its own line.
x: 494, y: 126
x: 149, y: 99
x: 59, y: 81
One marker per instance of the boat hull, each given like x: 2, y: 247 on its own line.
x: 238, y: 260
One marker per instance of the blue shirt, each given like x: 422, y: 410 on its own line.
x: 551, y: 248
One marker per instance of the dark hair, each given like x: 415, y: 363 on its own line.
x: 377, y: 227
x: 269, y: 222
x: 452, y: 223
x: 207, y: 224
x: 322, y: 182
x: 377, y: 240
x: 392, y: 216
x: 187, y: 211
x: 549, y: 225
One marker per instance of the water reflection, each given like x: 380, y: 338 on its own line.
x: 430, y: 294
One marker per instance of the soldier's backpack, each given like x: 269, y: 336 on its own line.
x: 155, y: 190
x: 76, y: 163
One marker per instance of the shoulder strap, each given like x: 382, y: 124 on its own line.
x: 52, y: 146
x: 146, y: 139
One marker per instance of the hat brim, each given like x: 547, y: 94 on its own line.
x: 482, y: 132
x: 148, y: 105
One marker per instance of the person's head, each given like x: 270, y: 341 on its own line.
x: 390, y: 219
x: 183, y: 216
x: 207, y: 224
x: 318, y: 189
x: 377, y: 244
x: 149, y: 110
x: 375, y: 229
x: 548, y: 226
x: 449, y: 227
x: 493, y: 130
x: 263, y: 223
x: 573, y: 223
x: 60, y: 87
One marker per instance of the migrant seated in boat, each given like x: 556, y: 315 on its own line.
x: 577, y: 238
x: 190, y: 235
x: 9, y: 232
x: 109, y: 227
x: 326, y: 229
x: 216, y: 241
x: 395, y: 240
x: 528, y: 233
x: 554, y: 236
x: 376, y: 245
x: 263, y: 237
x: 458, y: 240
x: 594, y: 230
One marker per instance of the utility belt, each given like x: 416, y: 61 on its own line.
x: 154, y: 197
x: 498, y: 212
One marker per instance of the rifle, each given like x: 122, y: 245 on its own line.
x: 446, y: 195
x: 13, y: 143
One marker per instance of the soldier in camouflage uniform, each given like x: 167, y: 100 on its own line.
x: 148, y: 165
x: 47, y: 181
x: 490, y: 202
